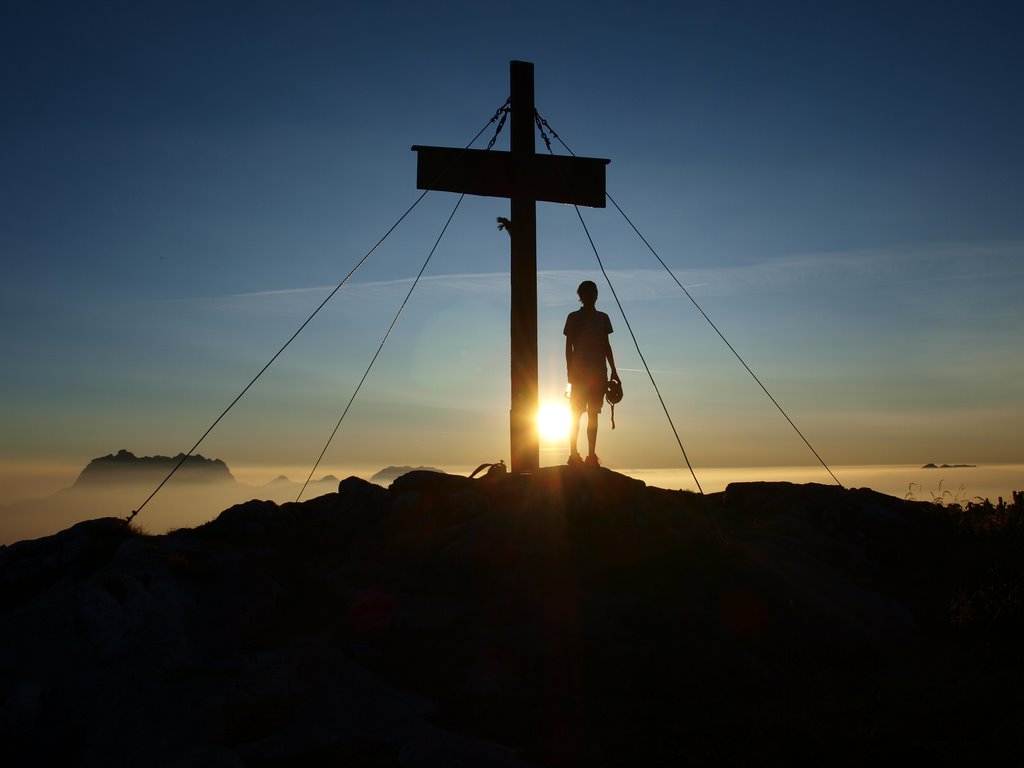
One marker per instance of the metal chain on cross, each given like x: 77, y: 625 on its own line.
x: 503, y: 110
x: 544, y: 128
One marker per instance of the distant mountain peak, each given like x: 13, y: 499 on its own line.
x: 125, y: 466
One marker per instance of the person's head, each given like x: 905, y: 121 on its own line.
x: 587, y: 293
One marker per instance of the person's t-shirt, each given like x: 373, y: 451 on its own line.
x: 587, y: 332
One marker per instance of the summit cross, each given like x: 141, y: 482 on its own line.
x: 524, y: 177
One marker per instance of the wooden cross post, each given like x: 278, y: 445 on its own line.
x: 525, y: 177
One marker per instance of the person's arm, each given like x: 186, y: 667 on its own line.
x: 611, y: 358
x: 608, y: 349
x: 568, y: 359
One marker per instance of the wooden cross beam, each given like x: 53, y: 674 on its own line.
x: 525, y: 177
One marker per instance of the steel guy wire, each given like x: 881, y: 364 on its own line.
x: 381, y: 347
x: 501, y: 112
x: 542, y: 124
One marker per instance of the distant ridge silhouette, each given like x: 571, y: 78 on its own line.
x: 125, y: 466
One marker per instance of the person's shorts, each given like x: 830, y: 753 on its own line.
x: 588, y: 393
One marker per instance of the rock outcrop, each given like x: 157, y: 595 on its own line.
x: 568, y: 618
x: 390, y: 474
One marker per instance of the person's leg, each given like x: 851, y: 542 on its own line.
x: 574, y: 433
x: 577, y: 406
x: 592, y: 417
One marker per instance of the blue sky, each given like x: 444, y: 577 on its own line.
x: 841, y: 184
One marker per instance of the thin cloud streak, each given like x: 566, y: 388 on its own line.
x: 892, y: 265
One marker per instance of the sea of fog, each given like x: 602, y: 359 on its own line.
x: 950, y: 484
x: 185, y: 506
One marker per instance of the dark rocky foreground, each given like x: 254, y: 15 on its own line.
x: 572, y: 618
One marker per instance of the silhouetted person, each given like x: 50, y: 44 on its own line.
x: 586, y: 350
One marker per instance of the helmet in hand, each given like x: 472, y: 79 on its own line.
x: 613, y: 392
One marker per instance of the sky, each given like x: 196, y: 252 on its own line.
x: 840, y: 186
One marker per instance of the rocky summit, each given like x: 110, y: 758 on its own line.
x: 569, y: 618
x: 125, y: 466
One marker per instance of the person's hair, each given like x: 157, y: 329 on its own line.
x: 587, y: 290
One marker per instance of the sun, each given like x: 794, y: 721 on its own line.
x: 553, y: 420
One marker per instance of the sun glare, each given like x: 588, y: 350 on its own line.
x: 553, y: 421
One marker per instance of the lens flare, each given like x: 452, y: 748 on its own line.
x: 553, y: 421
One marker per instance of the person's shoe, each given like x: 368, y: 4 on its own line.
x: 592, y: 460
x: 575, y: 460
